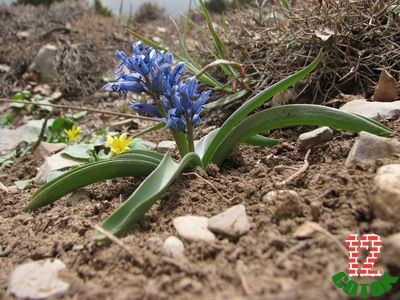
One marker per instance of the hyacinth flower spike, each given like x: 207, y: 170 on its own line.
x: 174, y: 100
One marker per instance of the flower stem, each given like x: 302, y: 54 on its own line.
x: 189, y: 135
x: 179, y: 137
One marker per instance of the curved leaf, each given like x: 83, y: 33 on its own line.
x: 251, y: 105
x: 135, y: 163
x: 260, y: 141
x: 294, y: 115
x: 147, y: 194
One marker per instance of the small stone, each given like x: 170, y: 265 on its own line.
x: 391, y: 246
x: 154, y: 243
x: 386, y: 89
x: 306, y: 230
x: 386, y: 201
x: 374, y: 110
x: 23, y: 34
x: 193, y: 229
x: 38, y: 280
x: 43, y: 63
x: 4, y: 68
x: 157, y: 39
x: 316, y: 137
x: 76, y: 197
x: 173, y: 247
x: 315, y: 209
x: 285, y: 203
x: 232, y: 222
x: 369, y: 147
x: 165, y: 146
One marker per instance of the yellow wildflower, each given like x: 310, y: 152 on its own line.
x: 119, y: 144
x: 73, y: 133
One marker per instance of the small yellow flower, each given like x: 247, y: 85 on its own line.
x: 73, y: 133
x: 119, y: 144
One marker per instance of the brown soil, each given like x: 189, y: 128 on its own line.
x: 266, y: 263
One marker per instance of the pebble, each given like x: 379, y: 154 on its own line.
x: 386, y: 202
x: 369, y: 147
x: 233, y: 222
x: 306, y: 230
x: 374, y: 110
x: 286, y: 203
x: 38, y: 280
x: 193, y: 229
x: 391, y: 248
x: 173, y: 247
x: 316, y: 137
x: 43, y: 63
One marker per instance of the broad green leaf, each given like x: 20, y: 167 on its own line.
x: 134, y: 163
x: 260, y: 141
x: 21, y: 95
x: 32, y: 131
x: 78, y: 151
x: 294, y: 115
x: 151, y: 189
x: 22, y: 184
x: 251, y: 104
x: 141, y: 144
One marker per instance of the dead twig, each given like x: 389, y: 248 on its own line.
x: 295, y: 175
x: 118, y: 242
x: 93, y: 110
x: 41, y: 135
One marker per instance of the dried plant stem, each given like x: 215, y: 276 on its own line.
x: 93, y: 110
x: 117, y: 241
x: 295, y: 175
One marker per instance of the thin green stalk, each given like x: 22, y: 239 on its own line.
x: 179, y: 137
x: 189, y: 135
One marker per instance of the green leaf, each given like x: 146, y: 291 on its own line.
x: 141, y: 144
x: 22, y: 184
x: 294, y: 115
x: 21, y: 95
x: 32, y: 131
x: 260, y: 141
x: 225, y: 100
x: 251, y: 104
x: 134, y: 163
x: 151, y: 189
x: 285, y: 4
x: 78, y: 151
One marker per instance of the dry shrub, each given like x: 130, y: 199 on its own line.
x: 149, y: 12
x: 366, y: 39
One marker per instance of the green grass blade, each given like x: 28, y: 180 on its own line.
x: 151, y: 189
x: 253, y: 103
x: 294, y: 115
x: 128, y: 164
x: 225, y: 100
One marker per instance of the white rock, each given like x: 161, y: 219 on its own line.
x: 43, y: 63
x: 374, y: 110
x: 166, y: 146
x: 193, y: 229
x: 386, y: 202
x: 369, y: 147
x: 391, y: 248
x: 37, y: 280
x: 4, y: 68
x: 173, y: 247
x: 313, y: 138
x: 232, y: 222
x: 305, y: 230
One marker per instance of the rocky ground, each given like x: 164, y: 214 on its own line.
x: 270, y: 223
